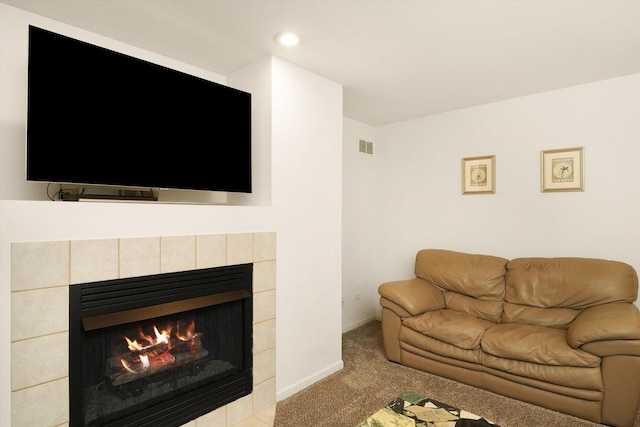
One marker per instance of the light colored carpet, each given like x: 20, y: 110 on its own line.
x: 369, y: 381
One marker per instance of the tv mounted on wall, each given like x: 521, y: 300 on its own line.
x: 96, y: 116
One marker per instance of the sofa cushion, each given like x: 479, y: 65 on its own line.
x: 479, y: 276
x: 551, y: 317
x: 453, y: 327
x: 483, y: 309
x: 584, y: 378
x: 535, y: 344
x: 575, y: 283
x: 417, y: 343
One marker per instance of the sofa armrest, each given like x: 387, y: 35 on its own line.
x: 606, y: 322
x: 413, y: 296
x: 613, y: 348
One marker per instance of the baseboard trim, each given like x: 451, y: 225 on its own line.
x: 306, y: 382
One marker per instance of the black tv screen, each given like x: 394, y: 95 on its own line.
x: 96, y: 116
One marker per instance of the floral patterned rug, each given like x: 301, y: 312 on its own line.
x: 414, y: 410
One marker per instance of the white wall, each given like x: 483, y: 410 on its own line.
x: 419, y: 202
x: 304, y: 131
x: 307, y: 200
x: 360, y: 226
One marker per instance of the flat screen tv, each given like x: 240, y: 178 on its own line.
x: 96, y: 116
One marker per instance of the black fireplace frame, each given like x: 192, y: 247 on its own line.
x: 107, y: 303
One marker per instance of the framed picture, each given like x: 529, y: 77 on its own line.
x: 562, y: 170
x: 479, y: 175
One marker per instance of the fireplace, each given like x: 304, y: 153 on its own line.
x: 159, y: 350
x: 43, y: 272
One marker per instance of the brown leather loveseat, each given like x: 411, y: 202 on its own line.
x: 562, y: 333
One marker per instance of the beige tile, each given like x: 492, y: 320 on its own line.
x: 44, y: 405
x: 217, y: 418
x: 36, y: 265
x: 264, y: 335
x: 264, y: 276
x: 38, y: 360
x: 264, y: 400
x: 139, y: 256
x: 93, y: 260
x: 264, y: 365
x: 264, y: 246
x: 251, y: 422
x: 211, y: 250
x: 268, y: 414
x: 40, y: 312
x: 239, y: 410
x: 190, y: 424
x: 177, y: 253
x: 264, y: 306
x: 239, y: 248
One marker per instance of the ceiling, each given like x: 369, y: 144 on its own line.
x: 396, y: 59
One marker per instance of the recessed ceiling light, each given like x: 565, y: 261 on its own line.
x: 287, y: 38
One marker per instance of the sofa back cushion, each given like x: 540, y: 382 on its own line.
x: 552, y: 291
x: 553, y: 317
x: 471, y: 283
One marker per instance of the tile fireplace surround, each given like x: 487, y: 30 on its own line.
x: 41, y: 273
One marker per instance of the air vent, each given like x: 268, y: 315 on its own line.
x: 366, y: 147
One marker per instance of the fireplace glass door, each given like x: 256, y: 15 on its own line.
x: 160, y: 350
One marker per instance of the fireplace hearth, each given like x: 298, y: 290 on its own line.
x: 159, y: 350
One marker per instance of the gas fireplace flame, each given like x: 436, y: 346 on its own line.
x: 189, y: 332
x: 145, y: 361
x: 133, y: 345
x: 149, y: 351
x: 142, y: 365
x: 126, y: 366
x: 160, y: 338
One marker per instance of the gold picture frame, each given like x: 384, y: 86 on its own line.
x: 562, y: 170
x: 479, y: 175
